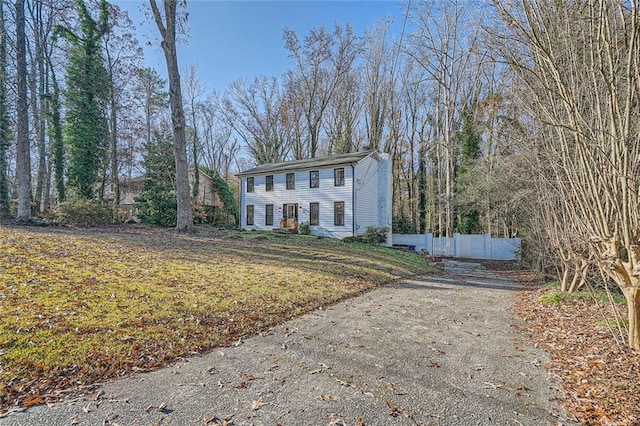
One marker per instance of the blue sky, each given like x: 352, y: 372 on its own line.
x: 233, y: 39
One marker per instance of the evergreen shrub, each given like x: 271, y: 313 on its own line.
x: 84, y: 213
x: 375, y: 235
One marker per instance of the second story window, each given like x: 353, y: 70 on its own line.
x: 291, y: 181
x: 269, y: 183
x: 338, y: 177
x: 314, y: 179
x: 250, y: 184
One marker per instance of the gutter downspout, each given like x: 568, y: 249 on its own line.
x: 353, y: 199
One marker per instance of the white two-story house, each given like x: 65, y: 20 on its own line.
x: 339, y: 196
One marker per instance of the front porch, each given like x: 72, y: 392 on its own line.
x: 287, y: 226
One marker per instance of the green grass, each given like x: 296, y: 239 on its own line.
x: 77, y: 307
x: 614, y: 323
x: 551, y: 285
x: 600, y: 295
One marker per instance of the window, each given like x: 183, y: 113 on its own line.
x: 268, y: 215
x: 269, y: 183
x: 249, y: 214
x: 291, y: 181
x: 250, y: 184
x: 314, y: 214
x: 338, y: 177
x: 338, y: 213
x: 314, y: 179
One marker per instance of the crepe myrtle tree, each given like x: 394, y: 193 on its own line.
x: 578, y: 71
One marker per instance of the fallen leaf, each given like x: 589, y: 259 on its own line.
x: 326, y: 397
x: 255, y: 405
x: 32, y: 400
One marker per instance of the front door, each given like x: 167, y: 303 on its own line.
x: 291, y: 211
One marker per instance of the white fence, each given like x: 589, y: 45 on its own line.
x: 469, y: 246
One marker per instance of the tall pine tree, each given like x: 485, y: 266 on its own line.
x: 157, y: 203
x: 86, y: 130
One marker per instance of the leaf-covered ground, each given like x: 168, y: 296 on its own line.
x: 77, y: 307
x: 599, y: 373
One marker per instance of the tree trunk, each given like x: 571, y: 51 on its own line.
x: 57, y: 142
x: 196, y: 166
x: 580, y: 276
x: 114, y: 153
x: 5, y: 121
x: 36, y: 83
x: 23, y: 158
x: 632, y: 294
x: 184, y: 213
x: 113, y: 118
x: 574, y: 281
x: 422, y: 190
x: 564, y: 284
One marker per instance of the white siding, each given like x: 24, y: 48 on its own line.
x: 366, y: 194
x: 371, y: 207
x: 325, y: 195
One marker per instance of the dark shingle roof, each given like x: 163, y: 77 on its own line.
x: 308, y: 163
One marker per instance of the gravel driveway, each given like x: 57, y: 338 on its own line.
x: 434, y: 350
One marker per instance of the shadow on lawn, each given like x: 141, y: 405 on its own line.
x: 330, y: 257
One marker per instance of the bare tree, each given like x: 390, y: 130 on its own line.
x: 219, y: 148
x: 152, y: 97
x: 377, y: 82
x: 256, y: 111
x: 122, y: 53
x: 41, y: 29
x: 294, y: 117
x: 578, y: 64
x: 5, y: 120
x: 167, y: 28
x: 23, y: 154
x: 444, y: 46
x: 321, y: 63
x: 194, y: 90
x: 342, y: 117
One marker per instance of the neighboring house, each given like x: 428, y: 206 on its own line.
x: 129, y: 189
x: 339, y: 196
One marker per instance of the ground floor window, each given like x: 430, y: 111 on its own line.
x: 268, y: 215
x: 249, y: 214
x: 338, y: 213
x: 314, y: 214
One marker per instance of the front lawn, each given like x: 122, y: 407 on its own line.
x: 77, y: 307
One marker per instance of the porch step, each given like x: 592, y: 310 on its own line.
x: 284, y: 230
